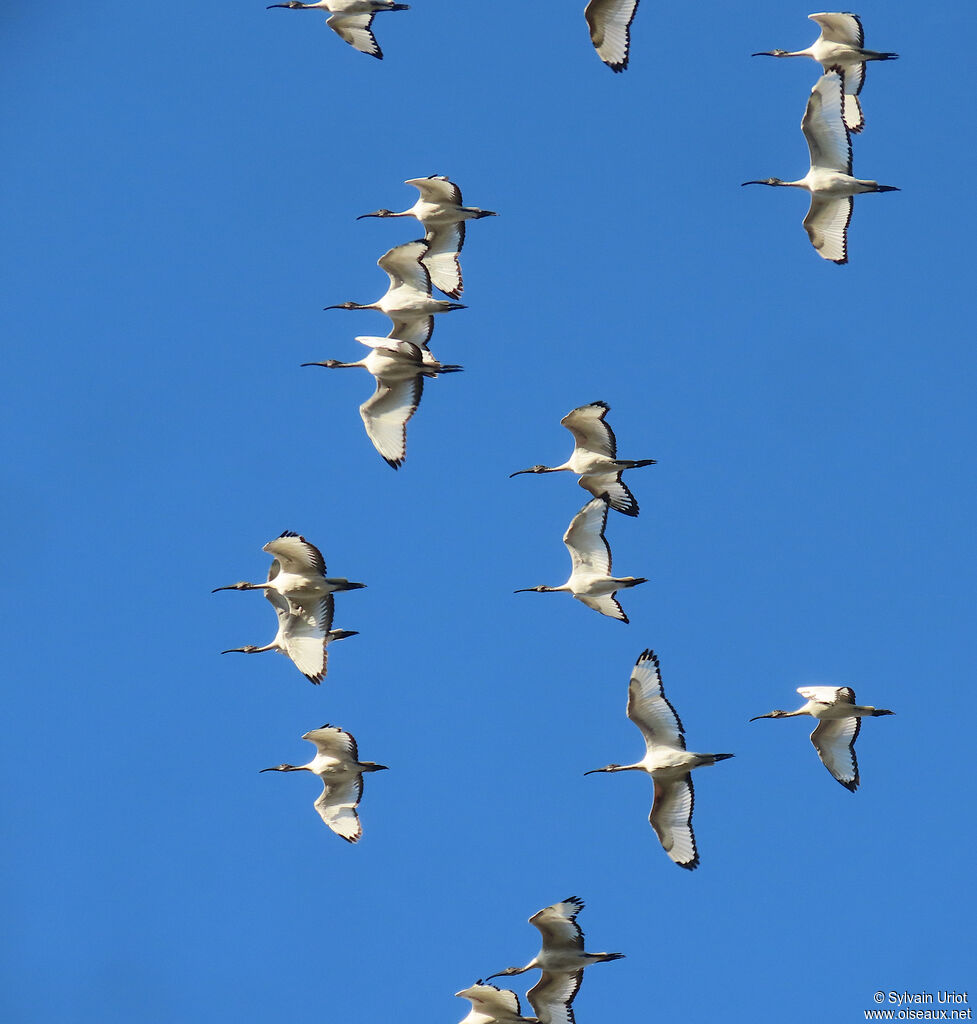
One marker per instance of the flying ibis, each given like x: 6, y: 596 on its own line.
x: 590, y: 580
x: 441, y: 211
x: 337, y: 765
x: 829, y: 180
x: 840, y: 44
x: 407, y: 300
x: 594, y: 458
x: 561, y: 959
x: 666, y: 760
x: 839, y: 720
x: 399, y: 368
x: 351, y: 20
x: 304, y: 632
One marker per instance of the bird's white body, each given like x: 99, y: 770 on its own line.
x: 829, y: 180
x: 337, y: 765
x: 839, y: 719
x: 351, y: 20
x: 399, y: 368
x: 594, y: 458
x: 840, y: 44
x: 561, y: 959
x: 590, y: 580
x: 441, y: 211
x: 407, y: 300
x: 666, y: 760
x: 609, y: 22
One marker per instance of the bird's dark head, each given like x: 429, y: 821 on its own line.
x: 235, y: 586
x: 608, y: 768
x: 344, y: 305
x: 248, y: 649
x: 291, y: 3
x: 325, y: 362
x: 377, y: 213
x: 765, y: 181
x: 770, y: 53
x: 532, y: 469
x: 541, y: 589
x: 505, y: 973
x: 281, y: 768
x: 771, y: 714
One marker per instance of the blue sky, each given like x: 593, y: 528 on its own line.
x: 181, y: 184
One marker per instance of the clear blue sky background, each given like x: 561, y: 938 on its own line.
x: 180, y: 188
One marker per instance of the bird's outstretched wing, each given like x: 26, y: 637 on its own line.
x: 491, y: 1005
x: 558, y: 924
x: 606, y: 604
x: 385, y: 414
x: 444, y: 242
x: 824, y: 126
x: 552, y: 996
x: 403, y: 266
x: 840, y: 28
x: 295, y: 554
x: 609, y: 22
x: 304, y: 635
x: 826, y: 225
x: 417, y: 330
x: 854, y: 80
x: 585, y: 539
x: 828, y: 694
x: 333, y: 742
x: 613, y: 489
x: 337, y: 805
x: 671, y: 818
x: 356, y: 30
x: 649, y: 708
x: 437, y: 189
x: 589, y: 430
x: 834, y: 740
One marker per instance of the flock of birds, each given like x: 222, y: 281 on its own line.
x: 833, y: 112
x: 594, y: 460
x: 402, y: 360
x: 609, y: 22
x: 303, y: 595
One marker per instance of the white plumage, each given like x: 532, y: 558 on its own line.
x: 594, y: 458
x: 561, y: 959
x: 839, y: 720
x: 441, y: 210
x: 338, y: 766
x: 590, y: 580
x: 407, y: 300
x: 351, y: 20
x: 840, y: 44
x: 609, y: 22
x: 304, y: 633
x: 491, y: 1005
x: 666, y: 760
x: 829, y: 180
x: 399, y: 368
